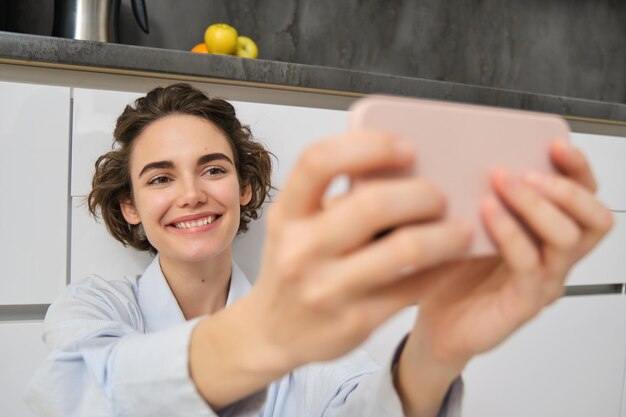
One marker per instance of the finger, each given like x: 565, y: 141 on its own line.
x: 553, y: 227
x: 513, y: 243
x: 573, y: 163
x: 375, y: 206
x: 520, y: 253
x: 557, y: 233
x: 580, y: 203
x: 403, y: 252
x: 354, y: 153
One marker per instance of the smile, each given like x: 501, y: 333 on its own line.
x: 196, y: 223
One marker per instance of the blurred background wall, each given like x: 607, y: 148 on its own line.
x: 574, y: 48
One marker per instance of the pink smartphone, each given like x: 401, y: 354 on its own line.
x: 459, y: 145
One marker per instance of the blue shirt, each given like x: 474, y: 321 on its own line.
x: 121, y: 348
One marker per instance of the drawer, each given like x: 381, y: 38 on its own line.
x: 567, y: 362
x: 21, y: 352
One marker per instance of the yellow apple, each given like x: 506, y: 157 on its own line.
x: 221, y: 38
x: 246, y: 48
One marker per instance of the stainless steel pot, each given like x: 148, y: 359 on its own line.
x: 93, y: 20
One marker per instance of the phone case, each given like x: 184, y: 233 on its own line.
x: 459, y: 145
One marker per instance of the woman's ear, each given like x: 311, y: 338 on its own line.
x: 246, y: 195
x: 129, y: 212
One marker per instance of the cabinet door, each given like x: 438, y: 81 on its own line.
x: 94, y: 251
x: 568, y: 362
x: 95, y: 114
x: 92, y: 248
x: 34, y: 131
x: 606, y: 155
x: 286, y: 131
x: 606, y: 263
x: 21, y: 352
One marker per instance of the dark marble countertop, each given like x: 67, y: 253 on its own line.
x: 67, y: 52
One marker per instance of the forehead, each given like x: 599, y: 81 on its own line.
x: 177, y: 138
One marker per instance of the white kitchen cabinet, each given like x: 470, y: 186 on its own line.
x: 94, y: 251
x: 95, y: 114
x: 21, y: 352
x: 623, y: 413
x: 34, y: 131
x: 606, y: 264
x: 607, y: 155
x: 286, y: 131
x: 568, y: 362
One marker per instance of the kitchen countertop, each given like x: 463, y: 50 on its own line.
x: 17, y: 48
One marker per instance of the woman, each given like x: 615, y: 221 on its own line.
x: 186, y: 177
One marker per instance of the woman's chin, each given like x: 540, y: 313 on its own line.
x: 195, y: 254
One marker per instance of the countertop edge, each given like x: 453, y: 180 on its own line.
x: 98, y: 56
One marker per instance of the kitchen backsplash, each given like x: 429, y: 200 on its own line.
x: 571, y: 48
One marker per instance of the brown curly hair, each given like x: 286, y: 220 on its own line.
x: 111, y: 182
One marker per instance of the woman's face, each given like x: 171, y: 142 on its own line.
x: 185, y: 188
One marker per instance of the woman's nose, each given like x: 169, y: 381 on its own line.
x: 191, y: 193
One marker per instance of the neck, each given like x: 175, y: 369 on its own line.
x: 201, y: 288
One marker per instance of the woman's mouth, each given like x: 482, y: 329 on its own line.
x: 196, y: 223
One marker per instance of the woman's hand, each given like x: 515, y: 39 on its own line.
x: 325, y: 282
x: 470, y: 306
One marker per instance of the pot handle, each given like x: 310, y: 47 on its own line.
x: 141, y: 14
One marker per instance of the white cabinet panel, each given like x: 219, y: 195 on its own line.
x: 607, y: 155
x: 286, y: 131
x: 34, y: 131
x: 606, y: 264
x: 94, y: 251
x: 95, y: 114
x: 568, y: 362
x: 623, y: 414
x: 21, y: 352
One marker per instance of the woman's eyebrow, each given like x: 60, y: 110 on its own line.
x: 213, y: 157
x: 156, y: 165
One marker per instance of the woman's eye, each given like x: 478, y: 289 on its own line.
x: 161, y: 179
x: 214, y: 171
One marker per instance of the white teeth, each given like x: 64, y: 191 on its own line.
x: 195, y: 223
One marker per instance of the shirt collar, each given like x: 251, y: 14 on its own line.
x: 158, y: 305
x: 239, y: 285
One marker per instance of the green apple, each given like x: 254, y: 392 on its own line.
x: 246, y: 48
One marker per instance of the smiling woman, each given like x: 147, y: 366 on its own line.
x: 190, y: 337
x: 112, y: 180
x: 173, y: 187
